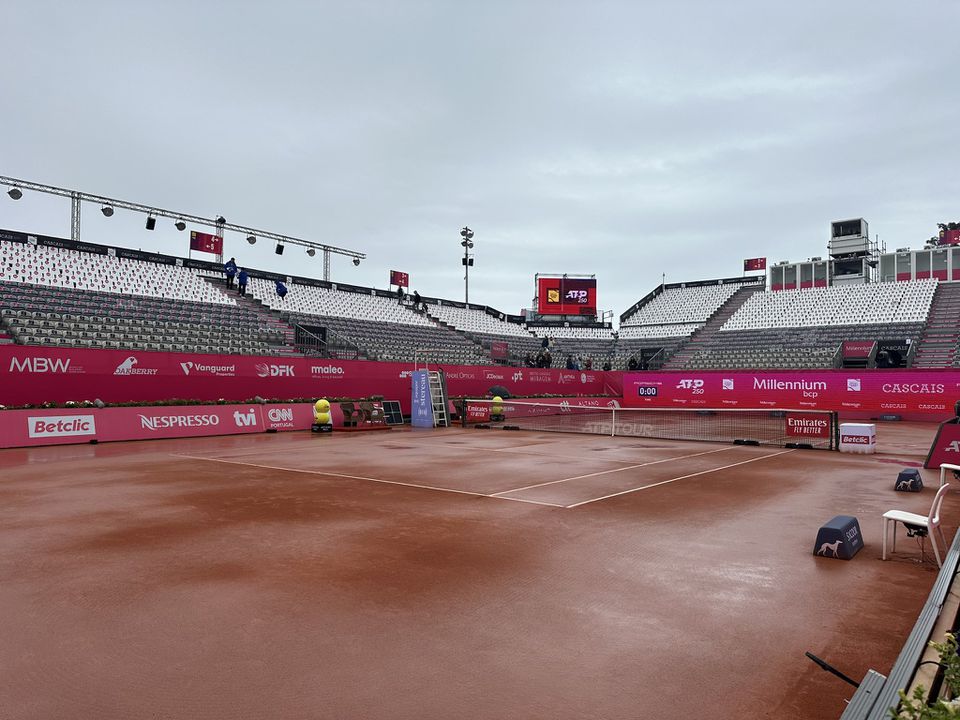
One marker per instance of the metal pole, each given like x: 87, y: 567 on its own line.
x: 326, y: 265
x: 75, y: 216
x: 466, y: 275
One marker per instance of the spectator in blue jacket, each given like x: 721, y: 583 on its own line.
x: 281, y: 289
x: 230, y: 268
x: 242, y: 281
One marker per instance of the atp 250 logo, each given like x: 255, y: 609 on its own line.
x: 694, y: 386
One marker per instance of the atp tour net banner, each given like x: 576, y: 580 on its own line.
x: 566, y: 296
x: 35, y: 375
x: 920, y: 394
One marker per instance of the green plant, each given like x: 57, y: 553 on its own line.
x: 917, y: 707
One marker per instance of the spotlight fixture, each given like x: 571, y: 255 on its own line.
x: 180, y: 225
x: 466, y: 233
x: 356, y: 261
x: 15, y: 193
x: 107, y: 211
x: 279, y: 249
x: 251, y: 239
x: 151, y: 222
x: 221, y: 220
x: 311, y: 252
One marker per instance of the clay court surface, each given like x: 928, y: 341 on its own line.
x: 447, y: 574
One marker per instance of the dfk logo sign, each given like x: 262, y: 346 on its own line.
x: 265, y: 370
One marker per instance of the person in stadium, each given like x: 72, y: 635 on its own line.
x: 588, y: 364
x: 607, y: 366
x: 632, y: 363
x: 399, y: 295
x: 416, y: 299
x: 230, y: 268
x: 546, y: 342
x: 281, y: 289
x: 571, y: 365
x: 242, y: 281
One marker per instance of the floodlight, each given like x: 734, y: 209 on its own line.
x: 107, y: 211
x: 356, y: 261
x: 180, y: 225
x: 251, y: 239
x: 15, y: 193
x: 311, y: 252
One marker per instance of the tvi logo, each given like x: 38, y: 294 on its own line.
x: 247, y: 419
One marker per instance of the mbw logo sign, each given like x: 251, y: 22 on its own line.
x: 40, y: 365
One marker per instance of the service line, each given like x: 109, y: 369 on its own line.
x: 361, y: 477
x: 614, y: 470
x: 682, y: 477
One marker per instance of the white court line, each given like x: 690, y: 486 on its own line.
x: 360, y: 477
x: 614, y: 470
x: 682, y: 477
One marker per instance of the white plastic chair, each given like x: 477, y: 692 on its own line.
x: 931, y: 522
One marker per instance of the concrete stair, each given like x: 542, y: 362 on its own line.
x: 937, y: 347
x: 692, y: 345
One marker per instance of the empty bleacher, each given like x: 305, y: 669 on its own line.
x: 876, y: 303
x: 65, y: 317
x: 379, y: 326
x: 50, y: 266
x: 802, y: 329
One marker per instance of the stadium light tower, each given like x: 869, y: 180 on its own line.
x: 467, y: 242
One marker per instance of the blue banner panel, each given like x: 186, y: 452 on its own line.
x: 421, y: 406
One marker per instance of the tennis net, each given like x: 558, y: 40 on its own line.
x: 781, y: 428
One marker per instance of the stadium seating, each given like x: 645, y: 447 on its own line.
x: 64, y: 268
x: 893, y: 302
x: 378, y: 326
x: 45, y: 315
x: 691, y: 304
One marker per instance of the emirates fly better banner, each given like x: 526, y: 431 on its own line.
x: 893, y: 392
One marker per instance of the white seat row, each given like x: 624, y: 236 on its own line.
x: 312, y: 300
x: 683, y: 305
x: 590, y: 333
x: 888, y: 302
x: 61, y: 267
x: 476, y: 320
x: 657, y: 331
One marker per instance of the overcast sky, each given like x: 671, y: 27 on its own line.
x: 622, y: 139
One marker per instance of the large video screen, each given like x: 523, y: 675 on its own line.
x: 566, y: 296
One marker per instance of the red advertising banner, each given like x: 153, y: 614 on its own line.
x: 946, y: 445
x: 205, y: 242
x: 499, y: 350
x: 800, y: 425
x: 857, y: 348
x: 399, y: 278
x: 950, y: 237
x: 925, y: 394
x: 752, y: 264
x: 566, y: 296
x: 31, y: 374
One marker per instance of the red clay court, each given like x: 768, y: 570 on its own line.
x: 447, y: 573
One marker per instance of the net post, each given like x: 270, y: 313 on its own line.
x: 613, y: 422
x: 835, y: 435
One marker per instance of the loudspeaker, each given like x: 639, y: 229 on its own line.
x: 151, y: 223
x: 279, y: 249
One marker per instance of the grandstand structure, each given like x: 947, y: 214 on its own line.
x: 54, y: 292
